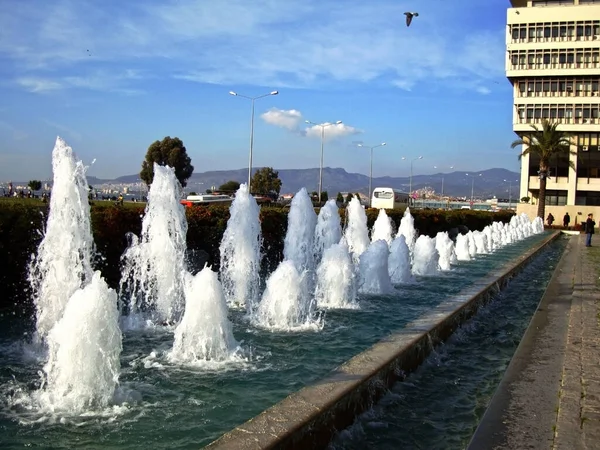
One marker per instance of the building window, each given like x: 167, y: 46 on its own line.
x: 556, y: 198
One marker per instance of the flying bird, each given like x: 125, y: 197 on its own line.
x: 409, y: 17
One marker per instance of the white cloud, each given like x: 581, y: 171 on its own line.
x: 293, y: 119
x: 289, y: 119
x: 63, y: 129
x: 265, y: 42
x: 483, y: 90
x: 332, y: 130
x: 38, y: 85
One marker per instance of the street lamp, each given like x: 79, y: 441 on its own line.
x: 411, y: 171
x: 371, y: 170
x: 435, y: 167
x: 510, y: 182
x: 235, y: 94
x: 472, y: 184
x: 323, y: 126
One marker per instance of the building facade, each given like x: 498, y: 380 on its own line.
x: 553, y: 64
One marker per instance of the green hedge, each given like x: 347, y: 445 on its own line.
x: 21, y: 225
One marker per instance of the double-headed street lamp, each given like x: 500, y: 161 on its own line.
x: 510, y: 182
x: 435, y: 167
x: 323, y: 126
x: 472, y: 184
x: 235, y: 94
x: 371, y: 171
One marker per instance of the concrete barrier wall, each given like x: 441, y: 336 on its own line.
x: 308, y: 419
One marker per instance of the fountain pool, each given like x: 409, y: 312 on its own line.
x: 185, y: 407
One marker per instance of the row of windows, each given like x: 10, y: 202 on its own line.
x: 555, y: 31
x: 581, y: 113
x: 589, y: 139
x: 582, y: 198
x: 563, y: 2
x: 553, y: 58
x: 559, y: 87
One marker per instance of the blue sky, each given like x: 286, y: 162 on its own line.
x: 111, y: 77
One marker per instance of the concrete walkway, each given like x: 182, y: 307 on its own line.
x: 549, y: 397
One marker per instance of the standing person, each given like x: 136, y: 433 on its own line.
x: 550, y: 219
x: 566, y: 220
x: 589, y: 230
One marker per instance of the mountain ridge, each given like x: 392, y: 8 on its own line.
x: 486, y: 183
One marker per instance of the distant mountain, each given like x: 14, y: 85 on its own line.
x: 486, y: 183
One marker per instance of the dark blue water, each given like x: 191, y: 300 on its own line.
x: 441, y: 403
x: 179, y: 407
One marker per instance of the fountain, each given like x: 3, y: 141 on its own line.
x: 356, y: 232
x: 407, y: 229
x: 84, y: 347
x: 62, y: 263
x: 382, y: 228
x: 240, y: 251
x: 462, y: 248
x: 285, y: 305
x: 328, y: 230
x: 373, y: 270
x: 336, y: 280
x: 204, y: 333
x: 76, y: 403
x: 425, y: 257
x: 298, y: 244
x: 155, y: 264
x: 445, y: 249
x: 399, y: 261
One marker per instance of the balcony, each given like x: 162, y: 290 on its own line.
x: 552, y: 183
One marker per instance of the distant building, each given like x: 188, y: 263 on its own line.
x: 553, y: 63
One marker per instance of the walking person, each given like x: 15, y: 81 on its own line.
x: 589, y: 230
x: 566, y: 220
x: 550, y: 219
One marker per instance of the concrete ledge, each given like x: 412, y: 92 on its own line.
x: 310, y: 417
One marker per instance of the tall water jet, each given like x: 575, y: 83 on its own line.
x: 382, y: 228
x: 84, y: 347
x: 462, y: 248
x: 445, y: 249
x: 336, y: 280
x: 204, y: 333
x: 328, y: 230
x: 407, y: 229
x: 373, y: 270
x: 356, y: 232
x: 399, y: 261
x: 425, y: 257
x: 285, y: 304
x: 298, y: 243
x: 62, y: 264
x: 155, y: 265
x: 481, y: 242
x: 240, y: 251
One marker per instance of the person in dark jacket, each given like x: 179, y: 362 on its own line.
x: 550, y: 219
x: 589, y: 230
x: 566, y: 220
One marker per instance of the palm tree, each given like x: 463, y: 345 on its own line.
x: 545, y: 143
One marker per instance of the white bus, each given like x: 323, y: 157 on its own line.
x: 388, y: 198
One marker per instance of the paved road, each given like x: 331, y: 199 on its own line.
x: 549, y: 397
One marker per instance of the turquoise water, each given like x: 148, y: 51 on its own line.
x: 440, y: 405
x: 180, y: 408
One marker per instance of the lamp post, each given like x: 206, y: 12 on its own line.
x: 435, y: 167
x: 235, y: 94
x: 472, y: 185
x: 323, y: 126
x: 411, y: 171
x: 371, y: 147
x: 510, y: 182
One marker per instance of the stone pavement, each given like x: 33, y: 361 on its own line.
x: 549, y: 397
x: 578, y: 417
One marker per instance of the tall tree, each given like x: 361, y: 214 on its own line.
x: 168, y: 152
x: 339, y: 198
x: 230, y: 186
x: 35, y: 185
x: 266, y: 181
x: 545, y: 144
